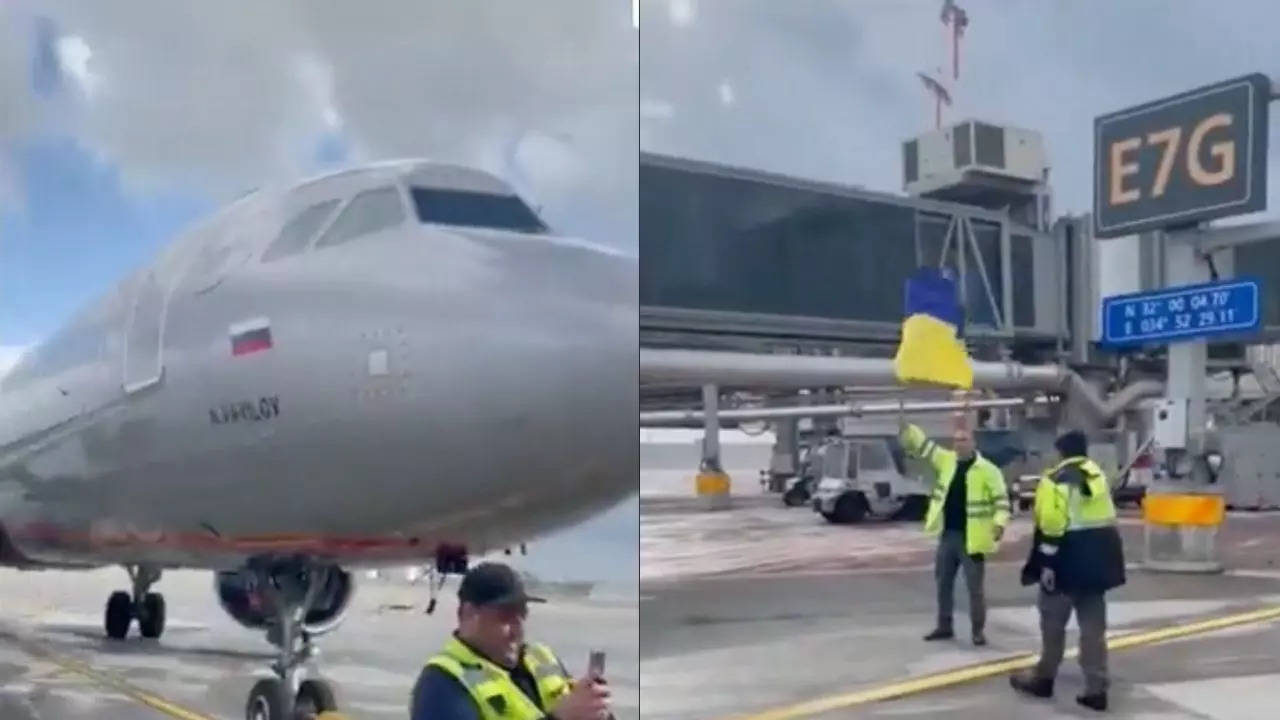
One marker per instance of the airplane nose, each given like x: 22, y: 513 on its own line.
x: 603, y: 373
x: 556, y: 369
x: 589, y: 369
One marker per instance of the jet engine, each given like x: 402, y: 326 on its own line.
x: 242, y: 597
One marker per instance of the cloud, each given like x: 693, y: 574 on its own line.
x: 9, y: 356
x: 191, y: 93
x: 829, y: 90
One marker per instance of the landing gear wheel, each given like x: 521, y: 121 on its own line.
x: 151, y: 615
x: 314, y: 697
x: 290, y: 587
x: 119, y: 615
x: 267, y: 701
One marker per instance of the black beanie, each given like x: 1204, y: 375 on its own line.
x: 1072, y: 443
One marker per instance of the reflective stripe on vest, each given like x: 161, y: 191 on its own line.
x: 495, y: 694
x: 980, y: 508
x: 974, y: 508
x: 1076, y: 510
x: 545, y: 668
x: 1075, y: 513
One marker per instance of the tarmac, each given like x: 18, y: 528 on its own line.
x: 764, y: 612
x: 55, y: 663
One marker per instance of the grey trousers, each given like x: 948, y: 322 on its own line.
x: 951, y: 557
x: 1091, y: 616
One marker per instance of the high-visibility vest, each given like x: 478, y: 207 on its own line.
x: 496, y: 695
x: 1072, y: 496
x: 1077, y: 528
x: 986, y: 497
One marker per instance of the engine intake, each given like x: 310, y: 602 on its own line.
x: 241, y: 597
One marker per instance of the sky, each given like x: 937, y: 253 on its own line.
x: 124, y: 121
x: 121, y: 122
x: 827, y: 89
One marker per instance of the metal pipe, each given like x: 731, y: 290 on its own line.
x: 695, y: 367
x: 680, y: 417
x: 1104, y: 411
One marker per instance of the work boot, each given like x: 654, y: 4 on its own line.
x: 979, y: 639
x: 1032, y: 685
x: 1097, y: 701
x: 939, y: 634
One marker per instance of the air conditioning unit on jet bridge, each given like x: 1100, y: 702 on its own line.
x: 975, y: 163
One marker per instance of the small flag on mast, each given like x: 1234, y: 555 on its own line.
x: 936, y: 88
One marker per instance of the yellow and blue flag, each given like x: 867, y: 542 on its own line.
x: 930, y: 351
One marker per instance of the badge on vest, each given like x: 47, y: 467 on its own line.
x: 499, y: 704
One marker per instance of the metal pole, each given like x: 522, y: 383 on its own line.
x: 698, y: 367
x: 1187, y: 360
x: 1171, y: 542
x: 711, y: 429
x: 782, y: 462
x: 680, y: 417
x: 711, y: 483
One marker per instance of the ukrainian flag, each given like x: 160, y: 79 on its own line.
x: 930, y: 352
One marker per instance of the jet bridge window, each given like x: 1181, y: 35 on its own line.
x: 368, y: 212
x: 297, y: 233
x: 474, y: 209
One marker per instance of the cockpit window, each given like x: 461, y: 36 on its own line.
x: 368, y: 212
x: 475, y: 209
x: 297, y: 233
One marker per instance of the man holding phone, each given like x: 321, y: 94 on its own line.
x: 487, y: 671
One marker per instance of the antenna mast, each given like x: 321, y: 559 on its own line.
x: 954, y: 20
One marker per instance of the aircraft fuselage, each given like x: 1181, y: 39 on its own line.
x: 415, y: 387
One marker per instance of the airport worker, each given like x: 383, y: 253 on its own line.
x: 1076, y: 557
x: 968, y: 512
x: 487, y: 671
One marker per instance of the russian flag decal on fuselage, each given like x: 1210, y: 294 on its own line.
x: 250, y: 336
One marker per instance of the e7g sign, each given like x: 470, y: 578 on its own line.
x: 1194, y: 156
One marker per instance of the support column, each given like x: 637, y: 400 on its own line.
x: 782, y: 464
x: 1187, y: 360
x: 1182, y: 513
x: 712, y: 483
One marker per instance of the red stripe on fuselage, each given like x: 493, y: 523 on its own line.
x: 47, y: 535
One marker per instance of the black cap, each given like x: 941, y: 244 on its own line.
x: 493, y: 584
x: 1072, y: 443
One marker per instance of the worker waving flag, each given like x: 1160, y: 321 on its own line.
x: 930, y: 352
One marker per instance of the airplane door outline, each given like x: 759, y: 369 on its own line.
x: 144, y: 335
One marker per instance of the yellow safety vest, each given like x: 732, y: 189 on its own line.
x: 986, y: 497
x: 1076, y: 532
x: 1062, y: 506
x: 491, y: 686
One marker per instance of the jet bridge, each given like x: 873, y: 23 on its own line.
x: 739, y: 259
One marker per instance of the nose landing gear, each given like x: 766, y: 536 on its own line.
x: 449, y: 560
x: 291, y: 588
x: 147, y: 607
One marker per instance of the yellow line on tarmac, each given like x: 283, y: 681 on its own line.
x: 980, y: 671
x: 105, y: 680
